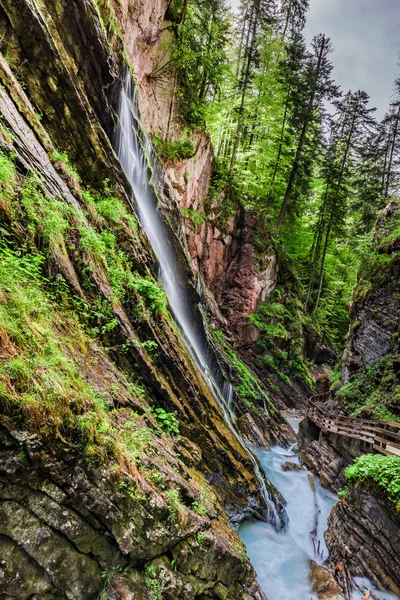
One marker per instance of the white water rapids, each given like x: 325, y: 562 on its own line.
x: 281, y: 559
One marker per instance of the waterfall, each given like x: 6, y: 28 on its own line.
x: 135, y: 157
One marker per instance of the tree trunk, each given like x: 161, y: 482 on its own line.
x: 315, y: 251
x: 322, y: 272
x: 302, y: 139
x: 396, y: 129
x: 250, y: 42
x: 278, y: 158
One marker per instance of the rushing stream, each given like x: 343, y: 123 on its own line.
x: 281, y: 559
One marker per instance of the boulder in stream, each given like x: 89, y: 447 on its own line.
x: 323, y: 583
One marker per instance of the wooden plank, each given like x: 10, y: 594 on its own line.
x: 390, y: 423
x: 388, y: 451
x: 386, y: 441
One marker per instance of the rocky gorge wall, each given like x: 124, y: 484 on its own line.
x: 92, y: 482
x: 225, y: 257
x: 364, y: 526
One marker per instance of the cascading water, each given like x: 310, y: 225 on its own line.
x: 133, y: 156
x: 282, y: 559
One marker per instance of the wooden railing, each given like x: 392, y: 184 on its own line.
x: 383, y: 436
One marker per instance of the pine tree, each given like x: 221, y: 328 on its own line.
x: 320, y: 89
x: 255, y: 15
x: 200, y: 55
x: 293, y: 16
x: 348, y: 133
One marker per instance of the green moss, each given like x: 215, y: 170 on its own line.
x: 281, y: 323
x: 8, y: 179
x: 62, y: 157
x: 373, y: 391
x: 193, y: 215
x: 380, y: 471
x: 153, y: 295
x: 249, y: 388
x: 175, y: 150
x: 42, y: 387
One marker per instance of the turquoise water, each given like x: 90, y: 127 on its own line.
x: 281, y: 560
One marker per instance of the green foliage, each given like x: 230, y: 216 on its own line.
x: 153, y: 583
x: 62, y: 157
x: 153, y: 295
x: 41, y: 387
x: 199, y: 56
x: 107, y: 578
x: 200, y: 506
x: 249, y: 388
x: 132, y: 491
x: 46, y: 217
x: 8, y: 179
x: 174, y: 504
x: 374, y: 392
x: 201, y: 539
x: 342, y: 492
x: 193, y: 215
x: 136, y: 439
x: 241, y: 548
x: 175, y: 150
x: 282, y: 324
x: 166, y: 420
x: 381, y: 471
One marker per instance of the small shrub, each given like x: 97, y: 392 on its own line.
x: 167, y: 421
x: 153, y: 295
x: 176, y: 150
x: 200, y: 507
x: 193, y: 215
x: 62, y: 157
x: 153, y: 583
x: 381, y: 471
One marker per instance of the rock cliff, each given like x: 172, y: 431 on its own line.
x: 363, y: 528
x: 99, y: 493
x: 375, y: 307
x: 363, y: 536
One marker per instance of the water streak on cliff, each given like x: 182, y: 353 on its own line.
x: 136, y: 157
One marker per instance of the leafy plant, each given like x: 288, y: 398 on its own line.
x: 166, y: 420
x: 153, y: 295
x: 200, y: 506
x: 175, y: 150
x: 153, y: 583
x: 381, y: 471
x: 193, y: 215
x: 174, y: 504
x: 62, y: 157
x: 201, y: 538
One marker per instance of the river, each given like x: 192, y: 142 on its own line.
x: 282, y: 560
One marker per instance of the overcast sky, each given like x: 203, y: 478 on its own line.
x: 366, y: 37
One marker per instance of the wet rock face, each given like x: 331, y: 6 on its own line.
x: 364, y: 534
x: 374, y: 312
x: 371, y: 339
x: 323, y: 583
x: 62, y: 526
x: 224, y: 255
x: 328, y: 455
x: 227, y: 260
x: 64, y: 523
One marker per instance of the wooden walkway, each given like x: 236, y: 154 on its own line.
x: 383, y: 436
